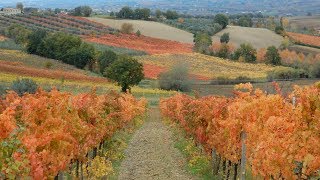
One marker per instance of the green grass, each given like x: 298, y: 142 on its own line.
x: 118, y: 50
x: 10, y: 44
x: 198, y: 163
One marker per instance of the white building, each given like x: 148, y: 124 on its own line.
x: 9, y: 11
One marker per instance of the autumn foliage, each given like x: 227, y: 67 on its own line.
x: 282, y: 138
x: 142, y: 43
x: 56, y: 128
x: 305, y: 39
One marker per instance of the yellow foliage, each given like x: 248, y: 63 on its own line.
x: 100, y: 167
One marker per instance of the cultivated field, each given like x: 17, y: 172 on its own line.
x: 258, y: 37
x: 143, y: 43
x: 208, y: 66
x: 305, y: 39
x: 151, y: 29
x: 304, y: 49
x: 300, y: 22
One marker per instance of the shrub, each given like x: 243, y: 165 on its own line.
x: 285, y: 73
x: 48, y: 65
x: 138, y: 33
x: 225, y: 38
x: 126, y: 28
x: 315, y: 70
x: 272, y: 56
x: 279, y: 30
x: 10, y: 44
x: 247, y: 52
x: 3, y: 90
x: 21, y: 86
x: 177, y: 78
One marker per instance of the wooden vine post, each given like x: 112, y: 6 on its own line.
x: 243, y: 155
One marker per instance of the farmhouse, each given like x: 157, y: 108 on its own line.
x: 9, y: 11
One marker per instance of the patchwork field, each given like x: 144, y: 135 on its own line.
x: 258, y: 37
x: 206, y: 66
x: 16, y: 64
x: 142, y: 43
x: 151, y: 29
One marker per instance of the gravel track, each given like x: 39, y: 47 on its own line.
x: 151, y: 153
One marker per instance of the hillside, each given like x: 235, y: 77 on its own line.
x: 205, y: 67
x: 258, y: 37
x: 22, y: 64
x: 150, y: 28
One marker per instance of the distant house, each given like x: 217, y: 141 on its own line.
x: 9, y: 11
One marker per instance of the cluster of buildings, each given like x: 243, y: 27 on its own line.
x: 9, y: 11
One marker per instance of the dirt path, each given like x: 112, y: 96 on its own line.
x: 151, y: 153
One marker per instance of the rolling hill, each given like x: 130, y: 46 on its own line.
x: 204, y: 67
x: 151, y: 29
x: 258, y: 37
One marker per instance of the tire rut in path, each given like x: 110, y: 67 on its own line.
x: 151, y: 153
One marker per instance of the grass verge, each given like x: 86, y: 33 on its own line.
x: 198, y: 162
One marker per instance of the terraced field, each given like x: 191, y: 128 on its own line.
x: 151, y: 29
x: 258, y: 37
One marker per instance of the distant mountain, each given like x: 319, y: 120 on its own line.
x: 295, y: 7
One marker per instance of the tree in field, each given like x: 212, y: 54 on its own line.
x: 177, y: 79
x: 246, y: 52
x: 125, y: 13
x: 143, y: 13
x: 202, y: 43
x: 106, y: 59
x: 126, y: 71
x: 126, y: 28
x: 171, y: 14
x: 80, y: 56
x: 82, y: 11
x: 225, y: 38
x: 86, y: 11
x: 19, y: 6
x: 34, y: 40
x: 221, y: 19
x: 272, y: 56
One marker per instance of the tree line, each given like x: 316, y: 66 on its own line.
x: 143, y: 13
